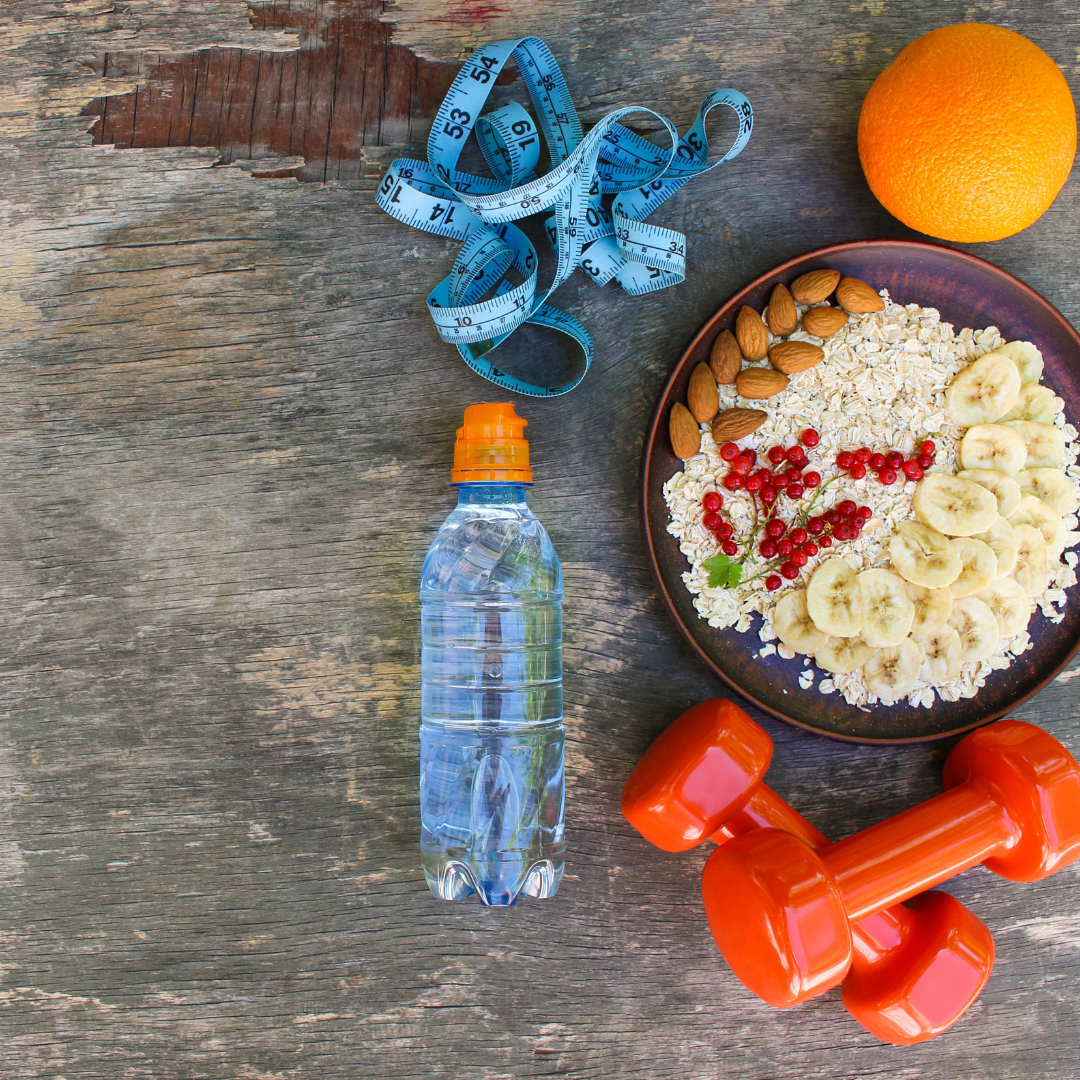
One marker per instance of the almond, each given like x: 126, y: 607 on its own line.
x: 751, y: 334
x: 857, y: 297
x: 823, y: 322
x: 725, y: 358
x: 683, y: 430
x: 792, y: 356
x: 733, y: 424
x: 701, y: 396
x: 760, y: 382
x: 815, y: 286
x: 782, y: 316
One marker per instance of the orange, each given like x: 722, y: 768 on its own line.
x: 969, y: 134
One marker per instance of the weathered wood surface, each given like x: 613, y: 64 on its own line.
x: 226, y: 434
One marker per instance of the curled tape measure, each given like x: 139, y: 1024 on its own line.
x: 607, y: 241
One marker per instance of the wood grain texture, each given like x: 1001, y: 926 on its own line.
x: 226, y: 429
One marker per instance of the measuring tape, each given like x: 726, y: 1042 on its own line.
x: 606, y: 241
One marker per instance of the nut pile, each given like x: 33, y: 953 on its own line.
x: 889, y: 386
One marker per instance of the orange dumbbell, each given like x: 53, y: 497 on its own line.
x: 784, y: 915
x: 914, y: 969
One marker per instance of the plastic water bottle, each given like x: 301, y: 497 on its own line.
x: 491, y: 733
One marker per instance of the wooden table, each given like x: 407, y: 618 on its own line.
x: 226, y: 428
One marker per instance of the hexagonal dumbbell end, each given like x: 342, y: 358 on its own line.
x: 782, y: 913
x: 916, y: 968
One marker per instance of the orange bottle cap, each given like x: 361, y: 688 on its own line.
x: 491, y: 445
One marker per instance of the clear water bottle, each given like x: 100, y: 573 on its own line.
x: 491, y: 733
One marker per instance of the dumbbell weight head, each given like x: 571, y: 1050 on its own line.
x: 1025, y: 769
x: 777, y: 916
x: 911, y: 994
x: 696, y: 774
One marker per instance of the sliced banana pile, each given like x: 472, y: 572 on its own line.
x: 967, y: 569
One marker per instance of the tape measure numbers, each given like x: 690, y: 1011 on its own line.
x: 607, y: 240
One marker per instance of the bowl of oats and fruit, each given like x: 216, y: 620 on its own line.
x: 859, y: 492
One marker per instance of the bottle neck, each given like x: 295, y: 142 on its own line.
x: 495, y: 493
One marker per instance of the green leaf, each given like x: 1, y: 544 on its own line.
x: 718, y: 570
x: 734, y: 573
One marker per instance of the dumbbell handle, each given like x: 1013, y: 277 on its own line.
x: 917, y: 849
x: 871, y: 936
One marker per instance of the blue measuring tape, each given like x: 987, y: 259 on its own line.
x: 607, y: 241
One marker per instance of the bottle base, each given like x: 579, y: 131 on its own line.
x: 453, y: 879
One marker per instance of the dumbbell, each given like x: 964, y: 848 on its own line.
x: 915, y: 969
x: 783, y: 914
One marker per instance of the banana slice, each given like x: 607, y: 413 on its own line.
x: 888, y: 609
x: 1046, y: 519
x: 942, y: 655
x: 977, y: 627
x: 841, y: 655
x: 1006, y: 490
x: 1038, y: 403
x: 1045, y: 444
x: 924, y: 556
x: 1030, y: 569
x: 932, y: 608
x: 984, y: 391
x: 953, y: 506
x: 1028, y: 359
x: 793, y: 625
x: 980, y: 566
x: 991, y: 446
x: 1001, y: 538
x: 1009, y: 603
x: 891, y: 673
x: 833, y: 599
x: 1052, y: 486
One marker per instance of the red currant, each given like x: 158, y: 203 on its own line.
x: 729, y: 547
x: 913, y: 470
x: 713, y: 500
x: 753, y: 484
x: 845, y: 459
x: 825, y: 542
x: 773, y: 582
x: 925, y: 461
x: 857, y: 471
x: 732, y: 481
x: 741, y: 465
x: 833, y: 516
x: 843, y: 531
x: 877, y: 462
x: 811, y: 549
x: 887, y: 476
x: 729, y: 451
x: 784, y: 547
x: 767, y: 547
x: 865, y: 513
x: 810, y: 438
x: 847, y: 508
x: 724, y: 530
x: 777, y: 454
x: 863, y: 455
x: 927, y: 448
x: 800, y: 558
x: 765, y: 475
x: 790, y: 571
x: 815, y: 526
x: 795, y: 454
x: 750, y: 453
x: 775, y: 528
x: 711, y: 519
x: 768, y: 494
x: 799, y: 537
x: 794, y: 491
x: 894, y: 459
x: 811, y: 479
